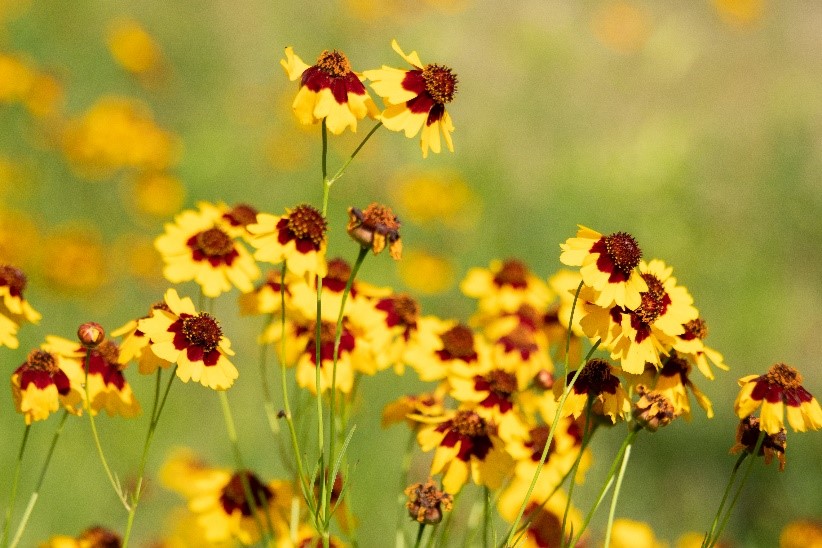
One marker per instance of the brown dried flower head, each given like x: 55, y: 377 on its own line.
x: 774, y: 445
x: 374, y: 227
x: 426, y: 503
x: 653, y: 410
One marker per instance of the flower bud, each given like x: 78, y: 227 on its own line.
x: 91, y: 334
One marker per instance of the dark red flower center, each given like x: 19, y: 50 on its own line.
x: 334, y: 63
x: 98, y: 537
x: 13, y: 278
x: 233, y: 496
x: 623, y: 251
x: 380, y: 218
x: 468, y: 423
x: 675, y: 365
x: 513, y: 273
x: 202, y: 330
x: 40, y: 360
x: 458, y: 343
x: 338, y: 273
x: 520, y: 339
x: 502, y: 383
x: 654, y: 302
x: 214, y: 243
x: 306, y: 223
x: 595, y: 379
x: 406, y: 308
x: 539, y: 437
x: 241, y: 215
x: 695, y: 329
x: 440, y: 83
x: 110, y: 352
x: 785, y: 376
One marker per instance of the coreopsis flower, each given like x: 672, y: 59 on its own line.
x: 107, y: 387
x: 778, y: 390
x: 238, y: 217
x: 452, y: 344
x: 690, y: 344
x: 137, y: 346
x: 653, y: 410
x: 374, y: 227
x: 639, y: 336
x: 405, y: 408
x: 627, y: 533
x: 543, y: 518
x: 466, y: 447
x: 607, y: 265
x: 216, y: 496
x: 298, y: 238
x: 673, y: 380
x: 197, y: 246
x: 504, y: 287
x: 415, y: 99
x: 801, y: 533
x: 45, y: 382
x: 774, y: 445
x: 194, y: 341
x: 329, y: 90
x: 426, y: 502
x: 14, y: 308
x: 265, y: 298
x: 598, y: 380
x: 394, y: 324
x: 93, y: 537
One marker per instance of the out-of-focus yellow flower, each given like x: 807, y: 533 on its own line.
x: 634, y: 534
x: 622, y: 26
x: 137, y: 256
x: 45, y: 96
x: 158, y: 194
x: 76, y: 258
x: 19, y: 240
x: 740, y: 13
x: 425, y: 272
x: 16, y: 78
x: 802, y: 533
x: 10, y: 9
x: 93, y: 537
x: 118, y: 133
x: 440, y: 197
x: 133, y: 48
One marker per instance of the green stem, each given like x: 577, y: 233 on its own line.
x: 115, y: 483
x: 404, y: 469
x: 715, y: 537
x: 333, y: 407
x: 342, y: 169
x: 14, y: 484
x: 629, y: 439
x: 156, y: 410
x: 231, y: 429
x: 615, y: 497
x: 486, y: 514
x: 36, y: 493
x: 727, y: 492
x: 588, y: 407
x: 420, y: 531
x: 565, y: 393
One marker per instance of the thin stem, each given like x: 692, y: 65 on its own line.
x: 727, y: 517
x: 157, y: 409
x: 250, y: 498
x: 420, y: 531
x: 588, y: 408
x: 570, y: 328
x: 629, y: 439
x: 404, y: 468
x: 337, y: 337
x: 342, y: 169
x: 615, y: 497
x: 115, y: 483
x: 565, y: 393
x: 14, y: 483
x: 486, y: 514
x: 727, y: 492
x: 36, y: 493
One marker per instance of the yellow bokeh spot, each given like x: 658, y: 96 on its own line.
x: 740, y: 12
x: 158, y: 194
x: 634, y: 534
x: 45, y: 96
x: 425, y: 272
x: 622, y: 26
x: 16, y: 78
x: 74, y: 258
x: 133, y: 48
x: 19, y: 240
x: 139, y: 258
x: 436, y: 197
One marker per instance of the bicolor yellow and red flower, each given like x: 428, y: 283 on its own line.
x: 415, y: 99
x: 329, y: 90
x: 777, y: 391
x: 598, y: 381
x: 194, y: 341
x: 197, y: 246
x: 691, y: 344
x: 452, y: 344
x: 504, y: 287
x: 44, y: 383
x: 14, y: 308
x: 298, y: 238
x: 137, y: 346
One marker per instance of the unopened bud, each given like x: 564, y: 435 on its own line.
x: 91, y: 334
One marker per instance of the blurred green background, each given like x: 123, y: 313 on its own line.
x: 695, y: 126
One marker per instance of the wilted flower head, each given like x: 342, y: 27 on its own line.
x: 774, y: 445
x: 653, y: 410
x: 426, y: 502
x: 375, y: 226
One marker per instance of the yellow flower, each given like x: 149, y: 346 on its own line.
x: 690, y: 344
x: 673, y: 381
x: 779, y: 389
x: 107, y: 386
x: 14, y: 309
x: 544, y: 522
x: 136, y: 346
x: 446, y: 346
x: 198, y: 246
x: 329, y: 90
x: 801, y: 533
x: 298, y: 238
x: 425, y: 272
x: 599, y: 381
x: 415, y: 99
x: 93, y: 537
x: 44, y: 383
x: 16, y: 77
x: 628, y: 533
x: 405, y: 408
x: 607, y: 265
x: 194, y: 341
x: 504, y: 287
x: 133, y: 48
